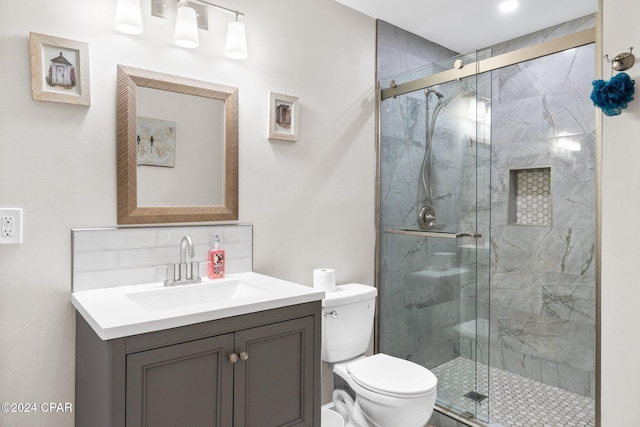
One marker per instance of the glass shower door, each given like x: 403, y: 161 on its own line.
x: 433, y: 282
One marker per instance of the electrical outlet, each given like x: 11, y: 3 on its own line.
x: 10, y: 226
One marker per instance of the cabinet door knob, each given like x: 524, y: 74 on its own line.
x: 241, y: 355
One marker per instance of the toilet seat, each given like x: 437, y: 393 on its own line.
x: 393, y: 377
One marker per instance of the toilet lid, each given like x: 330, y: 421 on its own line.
x: 389, y: 375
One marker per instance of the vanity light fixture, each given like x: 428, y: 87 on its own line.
x: 186, y: 31
x: 128, y: 17
x: 187, y: 22
x: 236, y: 47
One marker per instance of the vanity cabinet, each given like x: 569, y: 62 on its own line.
x: 255, y: 370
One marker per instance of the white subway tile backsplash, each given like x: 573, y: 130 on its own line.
x: 96, y: 260
x: 199, y: 235
x: 239, y: 265
x: 130, y: 258
x: 239, y: 234
x: 113, y: 257
x: 114, y: 238
x: 240, y: 249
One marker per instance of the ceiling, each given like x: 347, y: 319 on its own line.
x: 464, y: 26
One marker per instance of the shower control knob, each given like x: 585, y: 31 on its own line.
x: 427, y: 217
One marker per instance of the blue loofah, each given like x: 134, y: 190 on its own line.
x: 614, y: 95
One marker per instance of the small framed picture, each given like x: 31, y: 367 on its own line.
x: 283, y: 117
x: 59, y: 70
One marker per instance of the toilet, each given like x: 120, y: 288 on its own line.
x: 370, y: 391
x: 330, y: 418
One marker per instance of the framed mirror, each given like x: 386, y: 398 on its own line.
x: 177, y: 142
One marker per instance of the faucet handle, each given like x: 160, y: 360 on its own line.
x: 183, y: 271
x: 171, y: 274
x: 195, y: 270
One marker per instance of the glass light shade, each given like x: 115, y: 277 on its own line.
x: 236, y: 41
x: 186, y: 32
x: 128, y: 17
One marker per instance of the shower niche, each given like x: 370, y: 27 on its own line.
x: 530, y: 196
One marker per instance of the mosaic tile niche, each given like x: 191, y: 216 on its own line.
x: 530, y: 196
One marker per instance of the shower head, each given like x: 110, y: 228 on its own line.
x: 429, y: 91
x: 468, y: 91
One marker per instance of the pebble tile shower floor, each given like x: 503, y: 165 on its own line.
x: 514, y: 401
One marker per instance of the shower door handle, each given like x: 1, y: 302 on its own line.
x: 440, y: 234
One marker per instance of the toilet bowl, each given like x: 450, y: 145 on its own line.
x: 389, y: 391
x: 371, y: 391
x: 329, y: 418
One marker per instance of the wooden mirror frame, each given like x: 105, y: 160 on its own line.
x: 129, y: 79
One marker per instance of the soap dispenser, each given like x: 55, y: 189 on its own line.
x: 216, y: 260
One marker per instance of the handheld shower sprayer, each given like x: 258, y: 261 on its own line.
x: 426, y: 212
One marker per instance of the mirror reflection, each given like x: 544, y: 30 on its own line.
x: 177, y: 149
x: 180, y: 143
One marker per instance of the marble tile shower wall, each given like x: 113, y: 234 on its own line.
x: 542, y: 322
x: 111, y: 257
x: 399, y: 52
x: 420, y: 278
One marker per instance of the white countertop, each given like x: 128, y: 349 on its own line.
x: 131, y: 310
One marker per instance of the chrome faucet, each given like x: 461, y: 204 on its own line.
x: 184, y: 244
x: 183, y: 273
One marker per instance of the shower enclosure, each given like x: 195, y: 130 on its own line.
x: 486, y: 233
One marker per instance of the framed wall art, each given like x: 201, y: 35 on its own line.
x: 59, y: 70
x: 283, y: 117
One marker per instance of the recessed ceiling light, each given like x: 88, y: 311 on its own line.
x: 508, y: 6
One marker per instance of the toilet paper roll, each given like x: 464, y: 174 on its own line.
x: 324, y: 279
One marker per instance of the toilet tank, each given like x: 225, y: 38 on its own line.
x: 347, y: 321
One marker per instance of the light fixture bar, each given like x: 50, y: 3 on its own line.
x: 203, y: 2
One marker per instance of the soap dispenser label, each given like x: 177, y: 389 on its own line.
x: 216, y: 264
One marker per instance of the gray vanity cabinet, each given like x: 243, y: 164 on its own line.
x: 188, y: 384
x: 186, y: 377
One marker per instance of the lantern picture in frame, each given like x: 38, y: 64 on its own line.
x: 59, y: 70
x: 283, y: 117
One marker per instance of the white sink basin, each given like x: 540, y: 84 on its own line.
x: 202, y: 293
x: 130, y: 310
